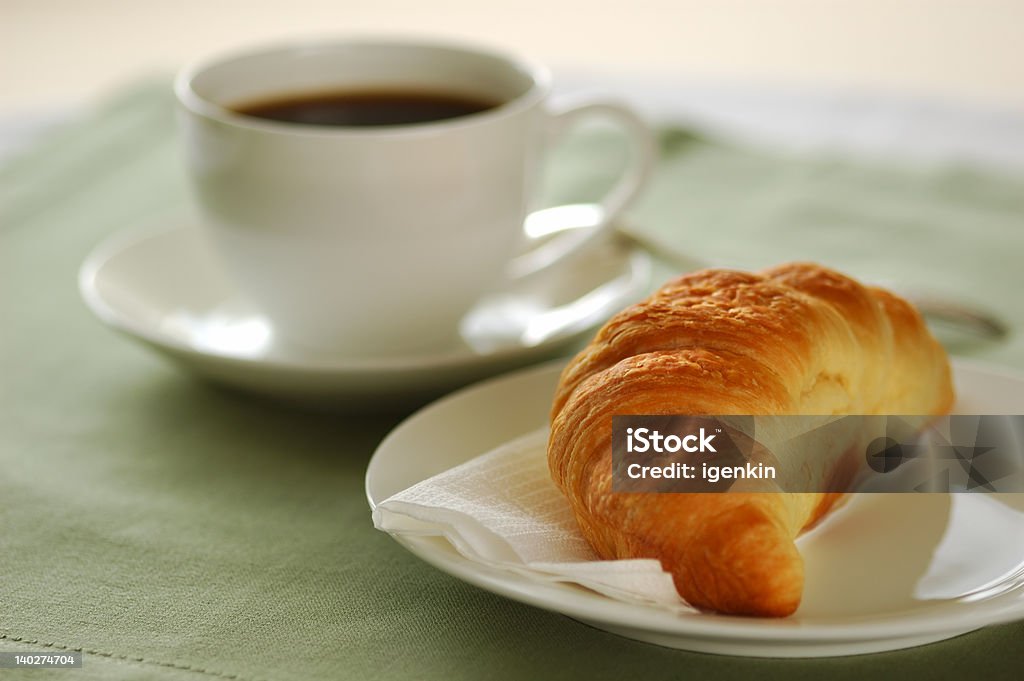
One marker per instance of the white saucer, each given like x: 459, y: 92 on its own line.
x: 164, y: 289
x: 886, y: 572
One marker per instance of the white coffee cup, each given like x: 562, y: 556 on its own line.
x: 374, y: 241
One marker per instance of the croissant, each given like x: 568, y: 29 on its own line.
x: 794, y: 339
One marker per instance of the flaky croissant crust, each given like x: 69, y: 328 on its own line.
x: 794, y: 339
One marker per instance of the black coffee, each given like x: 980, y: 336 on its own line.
x: 365, y: 108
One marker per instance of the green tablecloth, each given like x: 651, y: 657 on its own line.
x: 172, y: 530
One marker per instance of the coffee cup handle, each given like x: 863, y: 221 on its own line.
x: 585, y: 225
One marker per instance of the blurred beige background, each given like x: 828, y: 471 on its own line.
x: 55, y: 52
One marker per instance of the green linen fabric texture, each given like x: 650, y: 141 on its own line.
x: 176, y: 531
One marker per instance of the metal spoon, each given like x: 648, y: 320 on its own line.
x: 955, y: 315
x: 962, y: 317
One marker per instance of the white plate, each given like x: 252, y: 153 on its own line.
x: 885, y: 572
x: 164, y: 289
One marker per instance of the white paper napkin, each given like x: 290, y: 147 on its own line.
x: 501, y: 509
